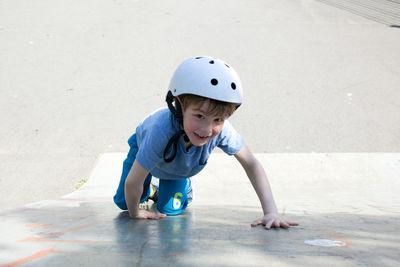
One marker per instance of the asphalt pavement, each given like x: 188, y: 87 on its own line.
x: 319, y: 77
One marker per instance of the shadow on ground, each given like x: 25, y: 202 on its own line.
x: 70, y: 232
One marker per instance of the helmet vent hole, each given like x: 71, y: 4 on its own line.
x: 198, y: 57
x: 212, y: 62
x: 233, y: 85
x: 227, y: 65
x: 214, y: 82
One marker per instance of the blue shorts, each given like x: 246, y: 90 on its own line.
x: 172, y: 194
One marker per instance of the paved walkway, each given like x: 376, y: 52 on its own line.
x: 76, y: 77
x: 347, y: 206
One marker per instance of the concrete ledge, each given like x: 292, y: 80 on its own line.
x: 365, y: 183
x: 348, y: 200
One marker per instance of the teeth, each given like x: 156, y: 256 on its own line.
x: 202, y: 136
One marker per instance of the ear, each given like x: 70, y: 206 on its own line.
x: 180, y: 101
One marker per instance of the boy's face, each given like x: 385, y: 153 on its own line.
x: 199, y: 126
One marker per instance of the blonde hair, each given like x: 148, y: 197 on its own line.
x: 215, y: 107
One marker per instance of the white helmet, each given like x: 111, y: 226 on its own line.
x: 207, y: 77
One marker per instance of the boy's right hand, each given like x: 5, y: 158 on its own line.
x: 144, y: 214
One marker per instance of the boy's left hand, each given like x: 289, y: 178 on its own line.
x: 273, y: 220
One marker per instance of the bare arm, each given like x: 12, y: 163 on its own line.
x: 258, y: 179
x: 133, y: 191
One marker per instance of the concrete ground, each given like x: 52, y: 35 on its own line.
x: 76, y: 77
x: 321, y: 109
x: 347, y: 202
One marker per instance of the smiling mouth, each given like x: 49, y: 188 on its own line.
x: 201, y: 137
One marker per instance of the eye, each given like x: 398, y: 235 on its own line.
x: 199, y: 116
x: 219, y: 120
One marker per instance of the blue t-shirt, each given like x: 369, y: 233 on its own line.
x: 153, y: 134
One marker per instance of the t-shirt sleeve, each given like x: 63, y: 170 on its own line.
x: 151, y: 142
x: 230, y: 140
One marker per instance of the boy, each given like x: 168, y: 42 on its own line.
x: 174, y: 144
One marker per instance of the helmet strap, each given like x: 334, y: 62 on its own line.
x: 175, y: 110
x: 178, y: 115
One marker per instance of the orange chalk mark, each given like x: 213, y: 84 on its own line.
x: 41, y: 239
x: 42, y: 226
x: 176, y: 254
x: 73, y: 229
x: 32, y: 239
x: 260, y: 241
x: 56, y: 234
x: 35, y: 256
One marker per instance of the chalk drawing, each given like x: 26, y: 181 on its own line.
x: 333, y: 235
x: 37, y: 255
x: 42, y: 226
x: 325, y: 243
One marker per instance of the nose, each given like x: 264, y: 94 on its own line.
x: 206, y: 129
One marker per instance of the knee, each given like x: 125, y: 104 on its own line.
x: 174, y: 205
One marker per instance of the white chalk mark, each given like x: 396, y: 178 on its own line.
x: 325, y: 243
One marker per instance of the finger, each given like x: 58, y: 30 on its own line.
x: 269, y: 224
x: 293, y: 224
x: 157, y: 216
x: 150, y: 216
x: 285, y: 225
x: 257, y: 222
x: 162, y: 215
x: 277, y: 224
